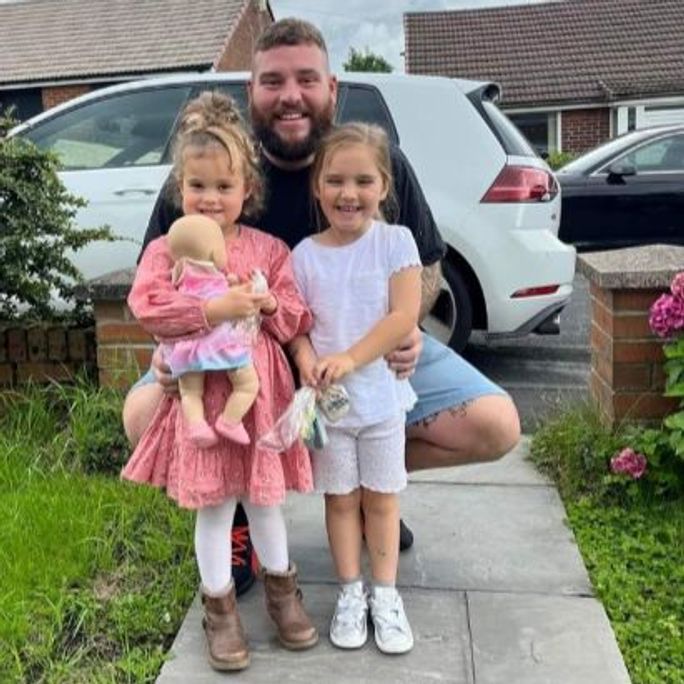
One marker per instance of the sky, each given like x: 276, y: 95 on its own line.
x: 366, y: 24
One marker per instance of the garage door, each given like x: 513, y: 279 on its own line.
x: 658, y: 116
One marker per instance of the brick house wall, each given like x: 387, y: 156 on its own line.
x: 584, y: 129
x: 54, y: 95
x: 237, y: 54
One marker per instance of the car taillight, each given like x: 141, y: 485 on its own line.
x: 522, y: 184
x: 535, y: 291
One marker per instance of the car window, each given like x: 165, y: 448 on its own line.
x: 130, y: 129
x: 364, y: 103
x: 513, y: 141
x: 664, y: 154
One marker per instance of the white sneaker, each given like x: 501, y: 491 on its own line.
x: 349, y: 626
x: 392, y: 630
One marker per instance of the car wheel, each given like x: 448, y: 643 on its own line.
x: 451, y: 318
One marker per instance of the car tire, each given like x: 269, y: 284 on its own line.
x: 451, y: 318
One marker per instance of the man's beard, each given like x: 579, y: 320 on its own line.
x: 291, y: 151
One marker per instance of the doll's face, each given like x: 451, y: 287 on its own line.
x: 210, y: 187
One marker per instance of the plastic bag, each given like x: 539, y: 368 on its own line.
x: 295, y: 423
x: 305, y: 418
x: 251, y: 324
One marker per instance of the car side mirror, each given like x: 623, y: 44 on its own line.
x: 620, y: 169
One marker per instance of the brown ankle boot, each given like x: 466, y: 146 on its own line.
x: 284, y: 605
x: 225, y: 637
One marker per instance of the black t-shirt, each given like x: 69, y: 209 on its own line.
x: 290, y: 211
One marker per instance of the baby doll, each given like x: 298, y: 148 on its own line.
x: 198, y: 248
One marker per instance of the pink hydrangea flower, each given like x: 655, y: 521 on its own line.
x: 667, y: 315
x: 677, y: 286
x: 629, y: 462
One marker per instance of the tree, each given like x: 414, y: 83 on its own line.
x: 366, y: 61
x: 36, y: 229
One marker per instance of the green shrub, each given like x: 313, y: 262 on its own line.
x: 556, y: 160
x: 36, y: 230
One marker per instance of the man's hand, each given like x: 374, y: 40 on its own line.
x: 162, y: 373
x: 404, y: 358
x: 332, y: 368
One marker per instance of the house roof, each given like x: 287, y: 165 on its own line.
x: 45, y: 40
x: 567, y: 51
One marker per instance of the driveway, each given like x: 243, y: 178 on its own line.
x: 541, y: 372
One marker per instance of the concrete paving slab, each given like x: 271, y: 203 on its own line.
x: 485, y: 537
x: 543, y: 640
x: 512, y: 469
x: 441, y: 654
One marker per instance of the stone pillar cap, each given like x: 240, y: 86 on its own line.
x: 634, y: 268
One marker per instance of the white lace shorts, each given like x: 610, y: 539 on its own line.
x: 370, y: 457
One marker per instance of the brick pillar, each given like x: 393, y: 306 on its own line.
x: 124, y: 349
x: 627, y: 378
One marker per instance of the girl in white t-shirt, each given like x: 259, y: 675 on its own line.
x: 361, y: 279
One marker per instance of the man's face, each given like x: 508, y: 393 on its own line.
x: 292, y: 99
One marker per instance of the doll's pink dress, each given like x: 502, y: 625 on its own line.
x: 198, y: 477
x: 225, y: 347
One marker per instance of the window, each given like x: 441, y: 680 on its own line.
x: 26, y: 102
x: 364, y: 103
x: 539, y: 128
x: 122, y: 130
x: 660, y: 156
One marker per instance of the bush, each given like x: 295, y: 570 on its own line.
x: 36, y: 230
x: 558, y: 159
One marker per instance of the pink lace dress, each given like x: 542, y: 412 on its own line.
x: 164, y: 457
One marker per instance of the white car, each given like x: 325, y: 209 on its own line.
x: 496, y: 203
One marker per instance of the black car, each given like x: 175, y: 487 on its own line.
x: 628, y: 191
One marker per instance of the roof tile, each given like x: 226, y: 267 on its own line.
x: 556, y: 52
x: 61, y: 39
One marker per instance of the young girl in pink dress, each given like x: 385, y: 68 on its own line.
x: 217, y: 169
x: 198, y: 248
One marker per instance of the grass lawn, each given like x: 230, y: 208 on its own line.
x: 96, y: 574
x: 632, y: 544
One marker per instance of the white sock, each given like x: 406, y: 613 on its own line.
x: 213, y: 547
x: 269, y: 536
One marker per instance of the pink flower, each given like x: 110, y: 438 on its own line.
x: 629, y: 462
x: 677, y: 286
x: 667, y: 315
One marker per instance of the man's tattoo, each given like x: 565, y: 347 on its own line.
x: 431, y: 284
x: 460, y: 411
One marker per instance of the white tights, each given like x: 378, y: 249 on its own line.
x: 213, y: 547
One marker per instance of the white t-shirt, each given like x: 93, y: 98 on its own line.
x: 347, y: 289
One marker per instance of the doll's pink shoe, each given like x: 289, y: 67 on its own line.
x: 201, y: 434
x: 235, y: 432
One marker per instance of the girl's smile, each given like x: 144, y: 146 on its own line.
x: 350, y: 190
x: 210, y: 187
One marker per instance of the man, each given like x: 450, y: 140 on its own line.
x: 461, y: 417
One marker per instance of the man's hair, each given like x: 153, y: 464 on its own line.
x: 290, y: 31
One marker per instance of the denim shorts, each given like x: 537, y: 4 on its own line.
x: 444, y: 380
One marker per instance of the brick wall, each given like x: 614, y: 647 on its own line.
x: 237, y: 56
x: 43, y: 353
x: 124, y: 349
x: 58, y: 94
x: 583, y: 129
x: 627, y: 378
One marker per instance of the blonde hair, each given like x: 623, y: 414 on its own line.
x: 213, y: 119
x: 375, y: 139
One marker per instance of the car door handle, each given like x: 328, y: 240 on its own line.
x: 133, y: 191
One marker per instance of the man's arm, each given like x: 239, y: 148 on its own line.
x: 431, y: 283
